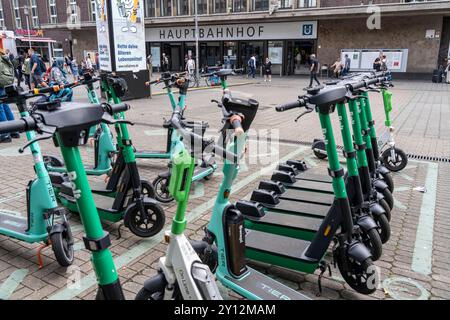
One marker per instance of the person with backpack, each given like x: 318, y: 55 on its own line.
x: 6, y: 79
x: 37, y: 69
x: 252, y: 66
x: 314, y: 70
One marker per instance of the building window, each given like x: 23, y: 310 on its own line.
x: 73, y: 11
x: 52, y: 11
x: 2, y: 17
x: 34, y: 13
x: 218, y: 6
x: 166, y: 8
x: 181, y: 8
x: 149, y: 8
x: 17, y: 14
x: 93, y: 11
x: 202, y: 6
x: 307, y: 3
x: 285, y: 4
x: 260, y: 5
x: 239, y: 5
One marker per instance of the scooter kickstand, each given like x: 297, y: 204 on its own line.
x: 323, y: 266
x: 39, y: 256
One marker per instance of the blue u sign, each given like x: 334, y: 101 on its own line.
x: 308, y: 29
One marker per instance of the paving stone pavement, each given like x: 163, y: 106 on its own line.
x: 421, y: 117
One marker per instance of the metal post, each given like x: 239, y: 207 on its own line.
x: 27, y: 14
x: 197, y: 70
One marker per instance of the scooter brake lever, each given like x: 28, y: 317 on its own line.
x: 308, y: 110
x: 350, y: 96
x: 110, y: 120
x: 29, y: 143
x: 373, y: 89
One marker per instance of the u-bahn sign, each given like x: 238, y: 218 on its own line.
x: 232, y: 32
x: 121, y: 35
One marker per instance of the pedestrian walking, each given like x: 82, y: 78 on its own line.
x: 314, y: 70
x: 6, y: 79
x: 26, y: 70
x: 165, y: 63
x: 252, y: 66
x: 38, y: 68
x: 267, y: 70
x: 347, y: 64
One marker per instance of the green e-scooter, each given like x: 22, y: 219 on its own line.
x: 104, y: 146
x: 69, y: 125
x: 45, y: 221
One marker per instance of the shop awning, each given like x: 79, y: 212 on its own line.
x: 35, y: 39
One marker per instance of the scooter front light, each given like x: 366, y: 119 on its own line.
x: 391, y: 129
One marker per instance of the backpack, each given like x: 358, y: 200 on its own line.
x: 41, y: 64
x: 6, y: 72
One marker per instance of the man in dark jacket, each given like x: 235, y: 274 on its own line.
x: 314, y: 70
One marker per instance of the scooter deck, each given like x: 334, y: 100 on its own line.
x: 279, y: 250
x: 311, y: 176
x: 299, y: 208
x: 307, y: 196
x: 309, y: 185
x: 260, y: 286
x: 13, y: 223
x: 285, y: 224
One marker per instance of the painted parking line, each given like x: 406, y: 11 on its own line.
x: 11, y: 283
x: 148, y: 244
x: 423, y: 248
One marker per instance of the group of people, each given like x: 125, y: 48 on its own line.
x: 29, y: 67
x: 267, y: 68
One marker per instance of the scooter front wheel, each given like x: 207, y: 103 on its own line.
x: 361, y: 277
x: 387, y: 178
x: 371, y: 239
x: 384, y: 228
x: 154, y: 289
x: 147, y: 189
x: 162, y: 194
x: 388, y: 197
x: 62, y: 246
x: 146, y: 224
x: 397, y: 164
x: 53, y: 161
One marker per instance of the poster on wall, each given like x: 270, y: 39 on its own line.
x: 276, y: 55
x: 156, y: 57
x: 104, y: 47
x: 129, y: 35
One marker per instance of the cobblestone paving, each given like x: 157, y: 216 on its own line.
x: 421, y: 118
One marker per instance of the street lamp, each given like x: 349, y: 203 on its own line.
x: 26, y: 11
x: 197, y: 71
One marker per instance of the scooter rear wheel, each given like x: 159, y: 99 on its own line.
x: 161, y: 186
x: 146, y: 227
x: 61, y: 248
x: 360, y: 276
x: 397, y: 164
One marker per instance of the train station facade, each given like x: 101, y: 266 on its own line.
x: 415, y: 34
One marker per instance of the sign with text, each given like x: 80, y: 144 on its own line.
x: 129, y: 35
x: 232, y: 32
x: 121, y: 35
x: 104, y: 46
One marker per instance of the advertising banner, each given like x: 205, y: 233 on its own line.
x: 104, y: 46
x: 121, y: 36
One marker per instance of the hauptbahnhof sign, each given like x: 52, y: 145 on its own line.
x: 263, y: 31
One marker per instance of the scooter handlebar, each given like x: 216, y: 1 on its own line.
x: 116, y: 108
x: 20, y: 125
x: 292, y: 105
x: 187, y: 134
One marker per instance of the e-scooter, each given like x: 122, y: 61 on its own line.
x: 69, y: 124
x: 180, y: 273
x: 41, y: 223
